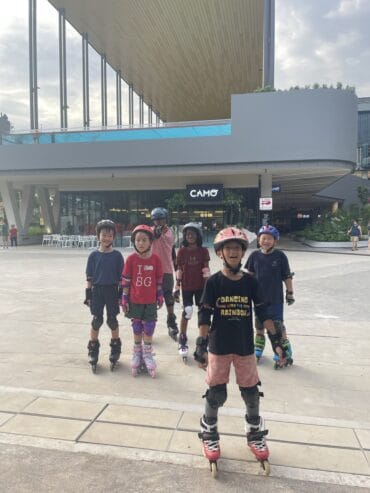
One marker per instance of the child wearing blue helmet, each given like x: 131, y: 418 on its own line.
x: 271, y: 268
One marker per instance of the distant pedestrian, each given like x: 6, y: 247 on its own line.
x: 5, y: 234
x: 13, y: 234
x: 355, y: 234
x: 368, y: 235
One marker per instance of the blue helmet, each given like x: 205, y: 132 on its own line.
x: 159, y: 213
x: 269, y: 230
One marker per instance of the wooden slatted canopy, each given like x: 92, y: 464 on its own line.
x: 186, y: 57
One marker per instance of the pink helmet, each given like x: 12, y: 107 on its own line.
x: 230, y: 234
x: 143, y: 228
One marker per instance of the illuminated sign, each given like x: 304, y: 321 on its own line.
x: 204, y: 193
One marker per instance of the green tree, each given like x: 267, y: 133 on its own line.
x: 363, y: 195
x: 176, y: 203
x: 232, y: 202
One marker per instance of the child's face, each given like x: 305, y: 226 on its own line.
x: 232, y: 252
x: 142, y: 242
x: 159, y: 222
x: 267, y: 241
x: 191, y: 236
x: 106, y: 237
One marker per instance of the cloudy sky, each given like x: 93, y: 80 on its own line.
x: 317, y: 41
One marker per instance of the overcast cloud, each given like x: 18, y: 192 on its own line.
x: 317, y: 41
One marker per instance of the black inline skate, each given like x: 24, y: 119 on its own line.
x: 256, y: 434
x: 115, y: 352
x: 93, y: 348
x: 173, y: 330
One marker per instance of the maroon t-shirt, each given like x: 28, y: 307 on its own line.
x: 191, y: 263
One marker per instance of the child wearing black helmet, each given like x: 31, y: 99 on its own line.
x: 225, y: 338
x: 271, y: 268
x: 103, y: 276
x: 192, y: 271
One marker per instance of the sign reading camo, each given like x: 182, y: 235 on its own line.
x: 205, y: 193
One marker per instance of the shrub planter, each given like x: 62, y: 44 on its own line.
x: 334, y: 244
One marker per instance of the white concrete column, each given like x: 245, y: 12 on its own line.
x: 266, y: 185
x: 9, y: 196
x: 46, y: 208
x: 26, y: 206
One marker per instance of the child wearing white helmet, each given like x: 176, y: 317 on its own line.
x: 192, y: 271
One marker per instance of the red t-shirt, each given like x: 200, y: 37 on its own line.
x: 13, y: 232
x: 191, y: 263
x: 144, y: 274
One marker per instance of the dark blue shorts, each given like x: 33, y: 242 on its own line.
x: 104, y: 296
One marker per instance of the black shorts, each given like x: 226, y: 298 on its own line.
x: 104, y: 296
x: 187, y: 297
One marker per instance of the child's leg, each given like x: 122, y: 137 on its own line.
x: 218, y: 371
x: 148, y: 329
x: 248, y: 380
x: 259, y: 339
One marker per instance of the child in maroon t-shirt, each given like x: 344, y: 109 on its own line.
x: 192, y: 271
x: 142, y: 294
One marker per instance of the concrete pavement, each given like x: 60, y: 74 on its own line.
x: 317, y: 411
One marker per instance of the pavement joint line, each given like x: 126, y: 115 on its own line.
x: 182, y: 407
x: 199, y: 462
x: 91, y: 422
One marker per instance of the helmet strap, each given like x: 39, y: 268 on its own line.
x: 234, y: 270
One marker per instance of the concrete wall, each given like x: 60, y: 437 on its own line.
x: 266, y: 127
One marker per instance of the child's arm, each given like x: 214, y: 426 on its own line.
x: 88, y: 292
x: 289, y: 293
x: 126, y: 282
x: 201, y: 348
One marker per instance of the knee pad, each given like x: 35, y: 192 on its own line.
x: 250, y: 395
x: 97, y: 322
x: 148, y: 327
x: 137, y: 326
x: 188, y: 312
x: 112, y: 323
x: 216, y: 396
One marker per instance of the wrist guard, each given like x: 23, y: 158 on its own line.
x: 88, y: 296
x: 201, y: 347
x: 120, y: 292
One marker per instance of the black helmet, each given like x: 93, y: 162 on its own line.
x: 105, y: 224
x: 159, y: 213
x: 197, y: 229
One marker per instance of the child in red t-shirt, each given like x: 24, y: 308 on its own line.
x: 192, y: 272
x: 142, y: 294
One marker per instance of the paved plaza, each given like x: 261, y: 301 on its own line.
x: 54, y: 409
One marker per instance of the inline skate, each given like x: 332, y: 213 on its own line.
x: 183, y: 347
x: 149, y: 360
x: 173, y: 330
x: 137, y: 360
x: 115, y: 352
x: 257, y: 443
x: 210, y: 442
x: 93, y: 353
x: 259, y: 345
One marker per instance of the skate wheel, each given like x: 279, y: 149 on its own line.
x: 214, y: 469
x: 185, y: 359
x: 93, y: 368
x: 265, y: 468
x: 112, y: 365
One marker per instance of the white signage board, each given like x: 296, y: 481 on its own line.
x: 265, y: 204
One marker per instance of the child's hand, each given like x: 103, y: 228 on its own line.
x: 201, y: 352
x: 88, y: 296
x: 176, y: 295
x: 289, y: 298
x: 125, y: 303
x: 160, y: 300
